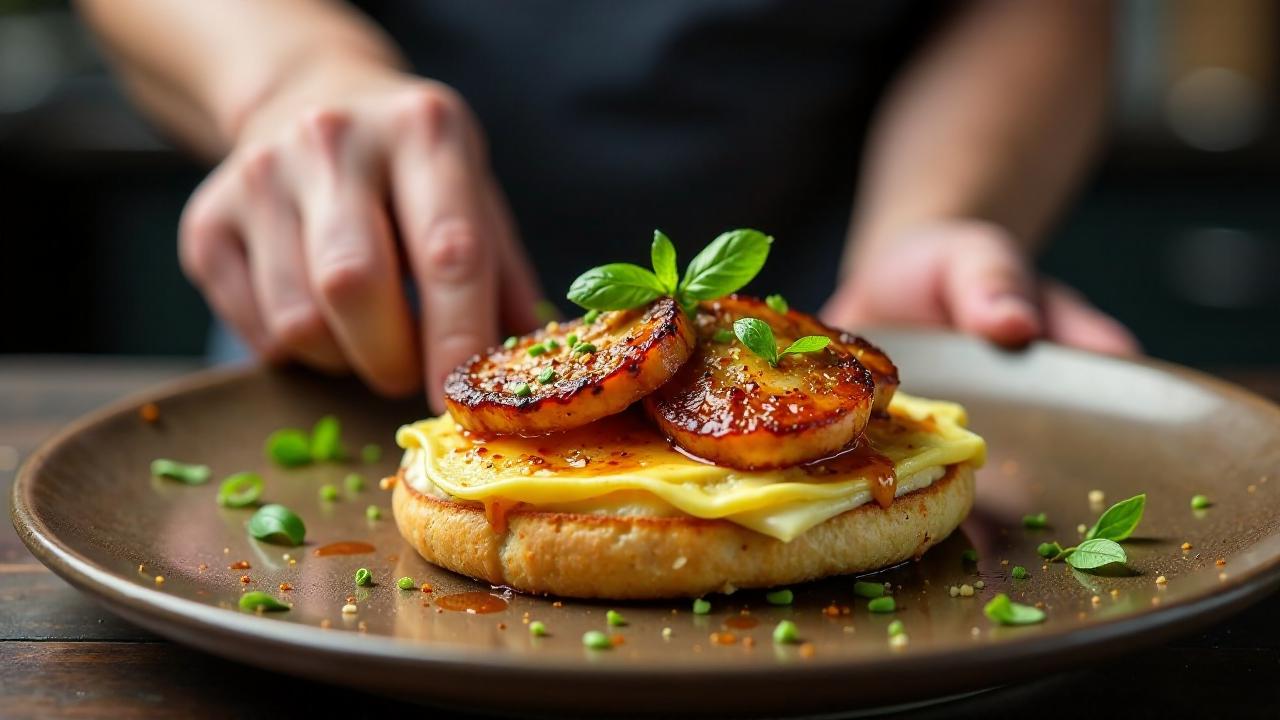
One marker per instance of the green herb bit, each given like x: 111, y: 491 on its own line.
x: 326, y: 439
x: 547, y: 376
x: 757, y: 335
x: 786, y: 633
x: 1096, y: 553
x: 1003, y: 611
x: 277, y: 524
x: 328, y: 493
x: 583, y: 348
x: 969, y: 556
x: 725, y: 265
x: 257, y: 600
x: 289, y: 447
x: 511, y: 342
x: 364, y: 578
x: 1049, y: 550
x: 701, y: 606
x: 614, y: 618
x: 896, y: 628
x: 723, y: 335
x: 596, y: 640
x: 882, y: 605
x: 662, y: 255
x: 551, y: 344
x: 777, y: 303
x: 371, y: 453
x: 571, y: 340
x: 522, y: 390
x: 182, y: 472
x: 868, y: 589
x: 1119, y: 521
x: 1035, y: 522
x: 240, y: 490
x: 537, y: 628
x: 536, y: 350
x: 1020, y: 573
x: 354, y: 482
x: 373, y: 513
x: 1200, y: 502
x: 545, y: 311
x: 780, y: 597
x: 590, y: 317
x: 405, y: 583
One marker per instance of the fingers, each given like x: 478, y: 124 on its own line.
x: 351, y: 257
x: 988, y: 287
x: 1071, y: 320
x: 520, y: 291
x: 439, y: 190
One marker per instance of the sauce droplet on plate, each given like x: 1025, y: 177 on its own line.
x: 345, y: 547
x: 474, y: 603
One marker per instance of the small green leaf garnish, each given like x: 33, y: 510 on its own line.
x: 663, y: 256
x: 583, y: 347
x: 806, y: 344
x: 405, y: 583
x: 701, y: 607
x: 182, y: 472
x: 546, y: 376
x: 590, y: 316
x: 1049, y: 550
x: 722, y: 335
x: 240, y: 490
x: 868, y: 589
x: 724, y: 266
x: 289, y: 447
x: 1003, y: 611
x: 786, y: 633
x: 1019, y: 573
x: 1095, y: 553
x: 897, y: 627
x: 277, y: 524
x: 510, y: 342
x: 326, y: 439
x: 616, y: 286
x: 329, y: 493
x: 537, y: 628
x: 257, y: 600
x: 1035, y: 522
x: 1120, y: 520
x: 522, y: 390
x: 757, y: 335
x: 777, y: 303
x: 373, y: 512
x: 614, y: 618
x: 536, y: 350
x: 364, y: 578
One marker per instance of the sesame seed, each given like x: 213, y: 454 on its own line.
x: 1162, y: 580
x: 159, y: 579
x: 1082, y: 529
x: 966, y: 590
x: 953, y: 591
x: 1115, y: 593
x: 1095, y: 600
x: 980, y: 584
x: 1096, y: 497
x: 1186, y: 546
x: 666, y: 633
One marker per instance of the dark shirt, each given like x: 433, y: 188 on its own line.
x: 608, y: 119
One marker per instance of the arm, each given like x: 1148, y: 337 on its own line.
x: 977, y: 147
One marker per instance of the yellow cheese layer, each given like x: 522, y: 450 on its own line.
x: 621, y: 465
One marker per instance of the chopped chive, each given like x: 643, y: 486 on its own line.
x: 701, y: 606
x: 371, y: 453
x: 373, y: 513
x: 1035, y: 522
x: 289, y: 447
x: 240, y: 490
x: 596, y: 640
x: 550, y: 344
x: 868, y: 589
x: 590, y: 316
x: 182, y: 472
x: 277, y: 524
x: 571, y: 340
x: 537, y: 629
x: 326, y: 439
x: 1200, y: 502
x: 258, y: 600
x: 522, y: 390
x: 364, y: 578
x: 354, y: 482
x: 614, y: 618
x: 583, y: 348
x: 328, y: 493
x: 786, y: 632
x: 722, y: 336
x: 510, y: 342
x: 536, y: 350
x: 896, y: 628
x: 1003, y: 611
x: 1020, y: 573
x: 881, y: 605
x: 546, y: 376
x: 405, y: 583
x: 779, y: 597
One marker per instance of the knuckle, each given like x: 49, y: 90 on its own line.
x: 298, y: 326
x: 342, y: 282
x: 325, y: 127
x: 452, y: 251
x: 258, y: 164
x: 197, y: 236
x: 428, y: 110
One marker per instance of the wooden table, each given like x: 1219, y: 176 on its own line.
x: 63, y: 655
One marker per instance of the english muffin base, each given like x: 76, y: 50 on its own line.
x: 590, y: 556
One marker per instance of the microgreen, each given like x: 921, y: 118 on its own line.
x: 277, y: 524
x: 758, y: 337
x: 240, y: 490
x: 1035, y: 522
x: 1101, y: 545
x: 1119, y: 521
x: 1095, y: 553
x: 1003, y: 611
x: 182, y: 472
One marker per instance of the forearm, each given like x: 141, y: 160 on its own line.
x: 996, y: 120
x: 201, y: 68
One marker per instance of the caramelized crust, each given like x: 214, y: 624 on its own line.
x: 729, y: 406
x: 635, y: 352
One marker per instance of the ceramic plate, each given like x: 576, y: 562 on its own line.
x: 1059, y: 423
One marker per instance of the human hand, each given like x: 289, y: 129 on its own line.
x: 971, y: 276
x: 336, y: 190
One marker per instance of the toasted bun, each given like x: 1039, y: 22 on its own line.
x: 592, y: 556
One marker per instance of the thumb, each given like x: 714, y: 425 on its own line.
x: 988, y: 288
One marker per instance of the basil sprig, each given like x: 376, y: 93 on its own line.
x: 1120, y: 520
x: 1102, y: 543
x: 758, y: 337
x: 723, y: 267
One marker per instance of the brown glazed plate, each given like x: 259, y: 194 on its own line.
x: 1059, y: 423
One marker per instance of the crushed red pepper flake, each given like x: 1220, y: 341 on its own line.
x: 1220, y: 562
x: 617, y: 640
x: 201, y: 567
x: 239, y: 565
x: 426, y: 587
x: 502, y: 626
x: 246, y: 579
x: 557, y: 604
x: 149, y: 412
x: 831, y: 610
x: 723, y: 638
x: 807, y: 650
x: 285, y: 587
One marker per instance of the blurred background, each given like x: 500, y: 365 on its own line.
x: 1177, y: 233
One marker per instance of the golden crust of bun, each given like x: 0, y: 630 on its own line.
x: 590, y: 556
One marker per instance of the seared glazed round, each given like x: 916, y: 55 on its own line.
x: 612, y: 362
x: 731, y: 407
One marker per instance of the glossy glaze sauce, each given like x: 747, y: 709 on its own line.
x: 741, y: 622
x: 473, y: 603
x: 344, y: 547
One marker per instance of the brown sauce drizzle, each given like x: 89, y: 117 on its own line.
x: 495, y: 511
x: 741, y: 622
x: 472, y: 603
x: 344, y: 547
x: 864, y: 459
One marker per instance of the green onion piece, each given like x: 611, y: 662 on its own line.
x: 546, y: 376
x: 536, y: 350
x: 405, y: 583
x: 364, y: 578
x: 182, y: 472
x: 289, y: 447
x: 571, y: 340
x: 786, y: 632
x: 371, y: 453
x: 326, y: 439
x: 779, y: 597
x: 614, y: 618
x: 896, y: 628
x: 537, y: 629
x: 590, y: 316
x: 1020, y: 573
x: 240, y: 490
x: 550, y: 344
x: 1049, y: 551
x: 277, y: 524
x: 1003, y: 611
x: 1200, y: 502
x: 354, y: 482
x: 882, y: 605
x: 510, y: 342
x: 328, y: 493
x: 522, y: 390
x: 596, y: 640
x: 969, y: 556
x: 701, y: 607
x: 583, y: 348
x: 723, y: 335
x: 868, y: 589
x: 258, y: 600
x: 1035, y: 522
x: 373, y: 513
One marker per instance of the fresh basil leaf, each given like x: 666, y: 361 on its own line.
x: 289, y: 447
x: 663, y: 256
x: 277, y: 524
x: 1003, y: 611
x: 777, y: 303
x: 182, y: 472
x: 807, y: 344
x: 326, y: 439
x: 758, y: 337
x: 1095, y: 553
x: 258, y: 600
x: 724, y: 266
x: 1120, y: 520
x: 722, y: 336
x: 240, y: 490
x: 616, y: 286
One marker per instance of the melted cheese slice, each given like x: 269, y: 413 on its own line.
x: 621, y: 466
